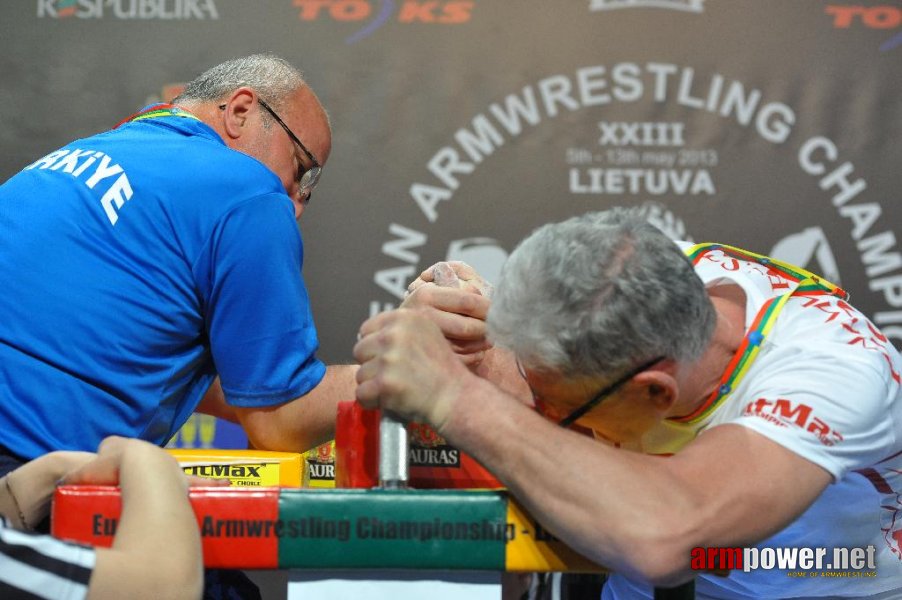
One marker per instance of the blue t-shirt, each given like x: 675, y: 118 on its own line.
x: 135, y: 266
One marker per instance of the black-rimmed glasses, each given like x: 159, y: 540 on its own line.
x: 598, y: 398
x: 305, y: 178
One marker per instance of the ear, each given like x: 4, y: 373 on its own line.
x: 239, y: 106
x: 659, y: 387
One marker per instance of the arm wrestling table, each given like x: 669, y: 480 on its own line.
x: 341, y: 543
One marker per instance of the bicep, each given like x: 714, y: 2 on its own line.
x: 214, y: 403
x: 747, y: 487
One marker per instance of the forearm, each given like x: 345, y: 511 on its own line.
x: 588, y: 494
x: 26, y: 492
x: 157, y: 534
x: 304, y: 422
x: 632, y: 512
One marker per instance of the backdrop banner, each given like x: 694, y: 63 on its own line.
x: 461, y: 125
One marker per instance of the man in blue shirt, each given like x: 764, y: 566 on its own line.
x: 140, y: 264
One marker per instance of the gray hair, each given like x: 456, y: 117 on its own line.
x: 272, y: 77
x: 598, y: 294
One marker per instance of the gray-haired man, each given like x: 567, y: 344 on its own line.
x: 733, y: 400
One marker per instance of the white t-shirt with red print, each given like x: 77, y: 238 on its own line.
x: 825, y: 385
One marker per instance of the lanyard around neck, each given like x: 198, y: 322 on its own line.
x: 804, y: 283
x: 156, y: 111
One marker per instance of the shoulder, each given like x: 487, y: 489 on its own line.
x: 828, y: 328
x: 823, y: 349
x: 188, y: 153
x: 835, y: 403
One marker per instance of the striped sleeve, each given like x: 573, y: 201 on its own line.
x: 40, y: 566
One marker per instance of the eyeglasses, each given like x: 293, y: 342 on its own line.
x: 598, y: 398
x: 305, y: 178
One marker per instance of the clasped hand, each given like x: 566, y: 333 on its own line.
x: 414, y: 360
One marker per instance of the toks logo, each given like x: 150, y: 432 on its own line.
x: 441, y: 12
x: 846, y: 16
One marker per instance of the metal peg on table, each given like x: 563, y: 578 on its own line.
x: 393, y: 453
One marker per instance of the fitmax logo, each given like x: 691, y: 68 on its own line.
x: 380, y: 12
x: 221, y: 471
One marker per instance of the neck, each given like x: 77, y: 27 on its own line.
x: 208, y: 113
x: 702, y: 377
